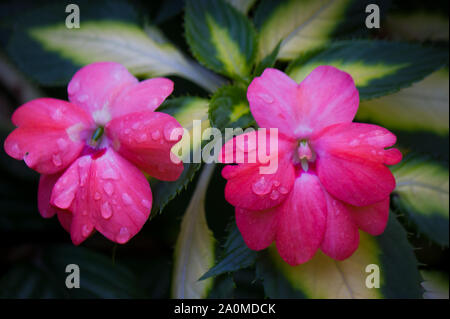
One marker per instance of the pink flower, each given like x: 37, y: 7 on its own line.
x: 332, y: 177
x: 91, y: 151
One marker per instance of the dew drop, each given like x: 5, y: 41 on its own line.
x: 266, y: 98
x: 261, y: 187
x: 127, y: 131
x: 274, y: 195
x: 146, y: 203
x: 127, y: 199
x: 15, y: 149
x: 123, y: 235
x: 170, y: 132
x: 136, y: 126
x: 73, y: 87
x: 108, y: 188
x: 156, y: 135
x: 276, y: 183
x: 106, y: 210
x: 82, y: 98
x: 153, y: 102
x: 86, y: 230
x: 57, y: 115
x: 62, y: 144
x: 283, y: 190
x: 142, y: 138
x: 354, y: 142
x: 97, y: 196
x: 56, y: 160
x: 110, y: 173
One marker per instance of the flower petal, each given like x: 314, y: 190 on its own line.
x: 258, y: 228
x: 146, y: 139
x: 104, y: 192
x: 301, y: 225
x: 341, y: 237
x: 143, y: 96
x: 371, y: 219
x: 257, y: 183
x: 50, y: 135
x: 351, y: 162
x: 95, y: 86
x: 326, y: 96
x: 273, y: 101
x: 46, y: 184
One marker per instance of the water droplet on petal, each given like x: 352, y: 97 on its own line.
x: 82, y: 98
x: 62, y: 144
x: 86, y: 230
x: 15, y: 149
x: 153, y: 102
x: 73, y: 87
x: 108, y: 188
x: 127, y: 199
x: 57, y: 114
x: 106, y: 210
x: 97, y: 196
x: 261, y: 187
x: 56, y: 160
x: 354, y: 143
x: 170, y: 132
x: 266, y: 97
x: 136, y: 125
x: 276, y: 183
x: 109, y: 173
x: 127, y: 131
x: 146, y: 203
x: 142, y: 138
x: 283, y: 190
x: 123, y: 235
x: 274, y: 195
x: 156, y: 135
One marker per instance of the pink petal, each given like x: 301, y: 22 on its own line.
x: 46, y: 184
x: 95, y: 86
x: 65, y: 219
x: 341, y: 237
x: 146, y: 139
x: 254, y: 185
x: 371, y: 219
x: 50, y: 135
x: 326, y: 96
x: 258, y: 228
x: 144, y: 96
x: 105, y: 192
x: 301, y: 225
x: 351, y: 162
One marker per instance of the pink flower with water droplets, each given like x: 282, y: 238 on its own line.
x: 332, y: 177
x: 92, y: 150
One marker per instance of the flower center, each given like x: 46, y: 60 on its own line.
x: 305, y: 154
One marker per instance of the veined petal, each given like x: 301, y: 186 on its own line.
x: 146, y: 139
x: 351, y: 162
x: 273, y: 101
x: 264, y: 174
x: 302, y: 221
x: 258, y: 228
x: 143, y: 96
x: 341, y: 238
x: 103, y: 191
x: 95, y: 86
x: 50, y: 134
x: 325, y: 97
x: 371, y: 219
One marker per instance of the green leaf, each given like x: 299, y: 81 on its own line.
x: 423, y: 106
x: 99, y: 277
x: 236, y: 255
x: 194, y: 251
x: 268, y: 61
x: 220, y: 37
x: 323, y: 277
x: 377, y: 67
x: 435, y: 284
x: 49, y: 52
x: 185, y: 110
x: 242, y: 5
x: 304, y: 25
x: 229, y: 108
x: 422, y: 194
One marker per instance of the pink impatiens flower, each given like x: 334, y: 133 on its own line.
x: 91, y: 151
x: 332, y: 177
